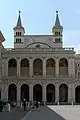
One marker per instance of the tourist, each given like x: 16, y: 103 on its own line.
x: 8, y: 107
x: 24, y: 104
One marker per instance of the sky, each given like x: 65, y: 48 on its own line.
x: 38, y: 17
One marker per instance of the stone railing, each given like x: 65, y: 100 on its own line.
x: 41, y: 49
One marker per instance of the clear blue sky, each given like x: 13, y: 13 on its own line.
x: 38, y: 17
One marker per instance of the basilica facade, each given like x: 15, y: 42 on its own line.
x: 39, y: 67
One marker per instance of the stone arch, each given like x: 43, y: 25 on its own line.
x: 63, y: 66
x: 12, y: 92
x: 77, y: 94
x: 37, y: 92
x: 12, y: 67
x: 24, y: 67
x: 37, y: 66
x: 50, y: 66
x: 50, y: 93
x: 25, y: 92
x: 63, y: 93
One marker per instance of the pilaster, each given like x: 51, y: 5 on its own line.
x: 56, y: 92
x: 31, y: 68
x: 69, y: 93
x: 57, y: 67
x: 71, y: 69
x: 18, y: 92
x: 44, y: 93
x: 18, y: 67
x: 73, y: 93
x: 31, y: 92
x: 44, y: 67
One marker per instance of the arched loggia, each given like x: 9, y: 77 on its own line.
x: 63, y: 93
x: 77, y: 94
x: 25, y: 92
x: 37, y: 92
x: 50, y: 93
x: 12, y: 93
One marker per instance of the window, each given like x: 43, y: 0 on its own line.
x: 37, y: 46
x: 57, y: 40
x: 56, y: 33
x: 18, y: 33
x: 18, y: 40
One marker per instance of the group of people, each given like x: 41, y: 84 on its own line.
x: 22, y: 104
x: 30, y: 105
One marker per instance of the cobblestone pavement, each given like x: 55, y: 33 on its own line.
x: 44, y: 113
x: 14, y: 114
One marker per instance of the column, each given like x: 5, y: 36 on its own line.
x: 73, y: 93
x: 31, y: 92
x: 18, y: 68
x: 56, y: 93
x: 5, y: 67
x: 44, y: 93
x: 18, y: 92
x: 4, y: 91
x: 31, y: 68
x: 57, y: 68
x: 69, y: 93
x: 44, y: 67
x: 71, y: 69
x: 3, y: 64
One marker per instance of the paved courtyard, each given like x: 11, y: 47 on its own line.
x: 69, y: 112
x: 62, y: 112
x: 44, y: 113
x: 14, y: 114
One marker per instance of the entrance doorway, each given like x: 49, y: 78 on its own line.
x: 77, y: 94
x: 12, y: 93
x: 37, y: 92
x: 25, y: 92
x: 50, y: 93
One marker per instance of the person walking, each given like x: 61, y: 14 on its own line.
x: 24, y: 104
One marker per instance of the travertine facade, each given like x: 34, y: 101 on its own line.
x: 39, y: 68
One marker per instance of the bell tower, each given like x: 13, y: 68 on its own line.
x: 57, y: 31
x: 18, y: 33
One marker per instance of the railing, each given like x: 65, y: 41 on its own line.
x: 41, y: 49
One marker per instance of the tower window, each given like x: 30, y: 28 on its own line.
x: 57, y: 33
x: 18, y: 40
x: 57, y: 40
x: 18, y: 33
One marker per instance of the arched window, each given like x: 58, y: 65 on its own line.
x: 37, y: 67
x: 12, y: 67
x: 50, y: 67
x: 25, y: 67
x: 63, y: 66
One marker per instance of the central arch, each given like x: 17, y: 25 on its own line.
x: 25, y: 92
x: 37, y: 67
x: 24, y: 67
x: 37, y: 92
x: 50, y: 93
x: 12, y: 93
x: 63, y: 93
x: 50, y: 67
x: 77, y: 94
